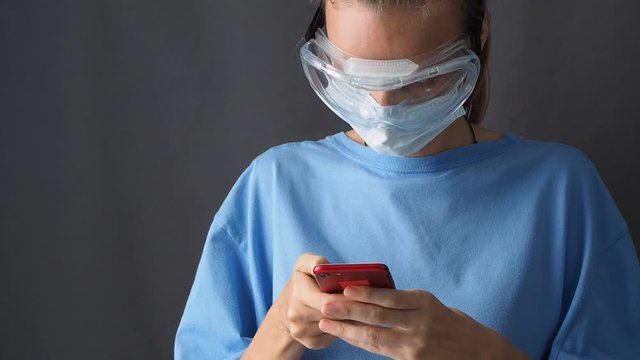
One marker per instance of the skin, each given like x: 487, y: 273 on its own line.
x: 292, y: 322
x: 401, y: 324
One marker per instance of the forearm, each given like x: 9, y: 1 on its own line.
x: 272, y: 341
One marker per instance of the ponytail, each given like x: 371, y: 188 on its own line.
x: 477, y: 104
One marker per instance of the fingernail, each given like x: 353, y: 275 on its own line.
x: 324, y: 325
x: 350, y: 291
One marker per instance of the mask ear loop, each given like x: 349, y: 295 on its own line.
x: 473, y: 132
x: 317, y: 22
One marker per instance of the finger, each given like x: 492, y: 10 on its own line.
x: 305, y: 330
x: 307, y: 261
x: 307, y: 292
x: 389, y: 298
x: 368, y: 313
x: 317, y: 342
x: 372, y: 337
x: 302, y: 313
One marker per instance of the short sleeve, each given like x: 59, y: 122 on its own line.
x: 603, y: 320
x: 231, y: 292
x: 218, y: 318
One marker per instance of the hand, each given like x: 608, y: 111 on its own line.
x: 298, y: 306
x: 411, y: 324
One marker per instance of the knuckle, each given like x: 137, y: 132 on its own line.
x: 307, y: 261
x: 296, y: 332
x: 372, y: 335
x: 304, y: 256
x: 426, y: 329
x: 396, y: 299
x: 345, y: 311
x: 312, y: 344
x: 293, y: 315
x: 317, y: 342
x: 429, y: 297
x: 423, y: 295
x: 460, y: 313
x: 376, y: 348
x: 378, y: 315
x: 324, y: 299
x: 321, y: 260
x: 329, y: 298
x: 302, y: 331
x: 417, y: 348
x: 303, y: 260
x: 309, y: 316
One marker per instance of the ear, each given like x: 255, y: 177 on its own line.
x: 486, y: 27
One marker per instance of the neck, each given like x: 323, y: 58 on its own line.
x: 456, y: 135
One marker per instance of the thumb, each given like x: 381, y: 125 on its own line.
x: 307, y: 261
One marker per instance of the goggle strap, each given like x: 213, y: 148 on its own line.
x: 317, y: 22
x: 475, y: 30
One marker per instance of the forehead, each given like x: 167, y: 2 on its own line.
x: 365, y: 32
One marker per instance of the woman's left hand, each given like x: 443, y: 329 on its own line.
x: 411, y: 324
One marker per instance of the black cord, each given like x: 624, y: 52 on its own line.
x: 473, y: 132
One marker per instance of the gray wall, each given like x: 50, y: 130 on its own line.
x: 125, y: 123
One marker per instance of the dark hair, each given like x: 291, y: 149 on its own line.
x: 475, y: 10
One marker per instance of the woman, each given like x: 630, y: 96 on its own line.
x: 512, y: 248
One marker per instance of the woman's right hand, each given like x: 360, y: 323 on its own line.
x: 300, y: 302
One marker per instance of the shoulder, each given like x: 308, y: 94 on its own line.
x: 562, y: 170
x: 559, y: 152
x: 298, y: 151
x: 273, y: 171
x: 555, y: 159
x: 573, y: 180
x: 295, y: 158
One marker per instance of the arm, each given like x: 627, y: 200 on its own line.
x: 273, y: 341
x: 229, y: 313
x: 603, y: 319
x: 221, y: 314
x: 291, y: 325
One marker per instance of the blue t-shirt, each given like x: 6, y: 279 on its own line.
x: 521, y: 235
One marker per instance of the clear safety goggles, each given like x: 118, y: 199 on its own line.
x: 415, y: 80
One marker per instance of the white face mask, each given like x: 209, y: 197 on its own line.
x: 390, y: 140
x: 401, y: 129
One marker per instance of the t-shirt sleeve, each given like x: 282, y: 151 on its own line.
x: 218, y: 318
x: 231, y: 291
x: 603, y: 320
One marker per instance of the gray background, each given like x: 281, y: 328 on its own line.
x: 125, y: 123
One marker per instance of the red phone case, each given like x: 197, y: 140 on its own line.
x: 333, y: 278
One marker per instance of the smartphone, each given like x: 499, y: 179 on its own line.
x: 333, y: 278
